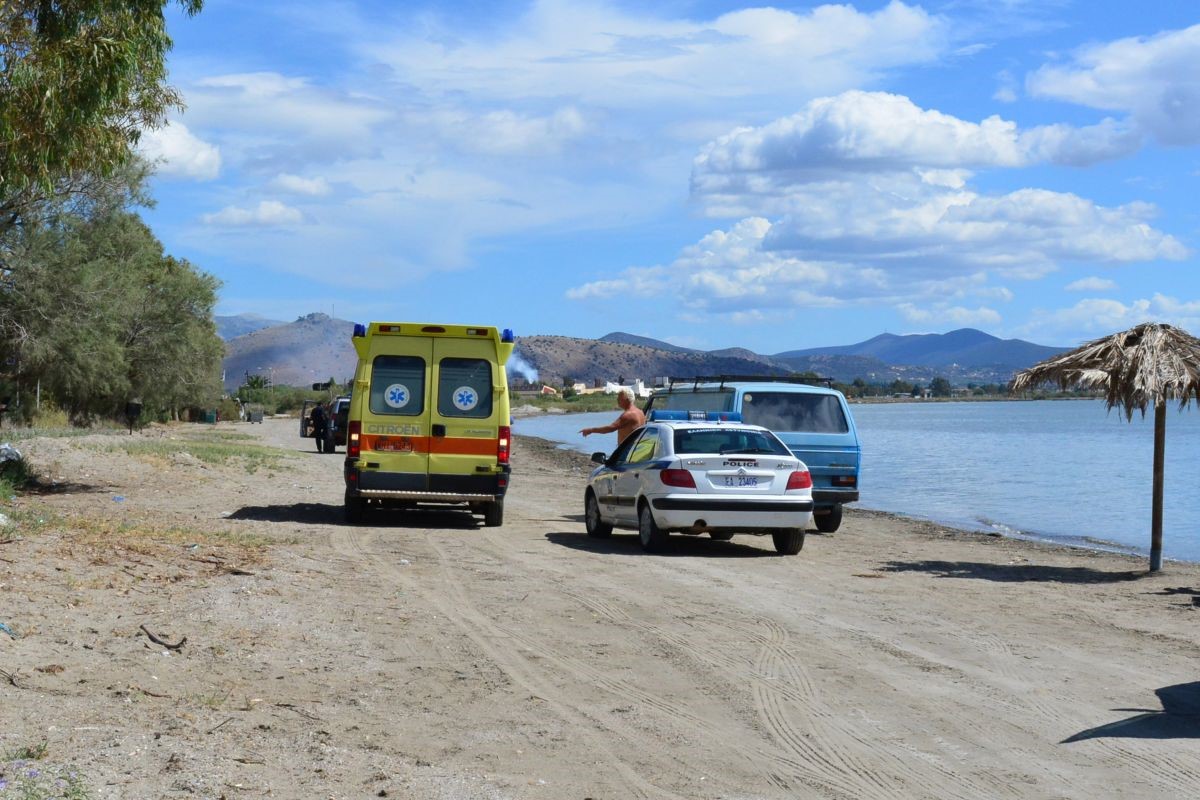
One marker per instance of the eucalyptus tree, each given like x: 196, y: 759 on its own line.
x: 79, y: 81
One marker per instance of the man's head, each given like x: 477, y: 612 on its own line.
x: 625, y: 397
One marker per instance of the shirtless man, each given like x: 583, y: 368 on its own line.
x: 630, y: 420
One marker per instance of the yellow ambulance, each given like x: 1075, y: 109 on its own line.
x: 429, y: 418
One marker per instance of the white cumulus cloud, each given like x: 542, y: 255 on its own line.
x: 179, y: 153
x: 504, y: 131
x: 940, y: 314
x: 870, y: 179
x: 731, y: 273
x: 1091, y: 284
x: 596, y: 51
x: 1153, y: 79
x: 1098, y: 317
x: 267, y: 214
x: 296, y: 184
x: 878, y: 131
x: 287, y: 114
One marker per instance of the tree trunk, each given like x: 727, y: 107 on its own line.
x: 1160, y: 440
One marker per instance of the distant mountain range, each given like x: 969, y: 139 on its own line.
x: 317, y: 347
x: 962, y: 356
x: 233, y: 327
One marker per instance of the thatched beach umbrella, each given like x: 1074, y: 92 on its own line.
x: 1151, y: 364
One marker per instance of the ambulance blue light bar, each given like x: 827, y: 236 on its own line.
x: 679, y: 415
x: 360, y: 330
x: 507, y: 335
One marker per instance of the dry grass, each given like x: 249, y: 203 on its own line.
x: 217, y: 448
x: 106, y: 538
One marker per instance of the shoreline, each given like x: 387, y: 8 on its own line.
x: 570, y: 458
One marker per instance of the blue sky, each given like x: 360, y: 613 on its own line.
x: 713, y: 174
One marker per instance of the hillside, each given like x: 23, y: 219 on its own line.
x: 314, y: 348
x: 588, y: 360
x: 620, y: 337
x: 317, y: 347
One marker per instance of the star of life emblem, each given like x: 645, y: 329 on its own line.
x: 465, y: 398
x: 397, y: 395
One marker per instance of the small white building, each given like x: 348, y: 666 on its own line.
x: 639, y: 388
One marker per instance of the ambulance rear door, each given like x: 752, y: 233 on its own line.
x: 464, y: 416
x: 395, y: 435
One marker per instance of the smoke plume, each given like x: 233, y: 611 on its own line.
x: 522, y: 367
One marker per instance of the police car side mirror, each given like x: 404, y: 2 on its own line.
x: 599, y: 458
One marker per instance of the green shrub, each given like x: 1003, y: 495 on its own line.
x: 49, y: 416
x: 229, y: 410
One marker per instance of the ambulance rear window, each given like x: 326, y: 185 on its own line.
x: 465, y: 388
x: 398, y: 385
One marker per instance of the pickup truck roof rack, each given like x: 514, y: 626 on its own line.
x: 721, y: 380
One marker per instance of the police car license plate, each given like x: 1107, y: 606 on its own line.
x: 741, y: 480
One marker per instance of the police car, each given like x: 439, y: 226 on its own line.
x: 700, y: 472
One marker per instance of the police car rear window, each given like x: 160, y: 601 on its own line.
x: 398, y: 385
x: 465, y: 388
x: 696, y: 441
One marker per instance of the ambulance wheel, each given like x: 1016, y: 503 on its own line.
x: 356, y: 509
x: 788, y: 542
x: 652, y: 537
x: 828, y: 523
x: 720, y: 536
x: 493, y: 514
x: 596, y: 526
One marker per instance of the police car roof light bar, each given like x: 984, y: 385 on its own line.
x: 680, y: 415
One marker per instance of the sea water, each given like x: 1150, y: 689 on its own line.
x: 1060, y: 470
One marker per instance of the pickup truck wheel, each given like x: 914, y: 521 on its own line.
x: 828, y: 523
x: 330, y: 444
x: 652, y: 537
x: 355, y: 508
x: 493, y: 514
x: 788, y: 542
x: 596, y: 526
x: 720, y: 536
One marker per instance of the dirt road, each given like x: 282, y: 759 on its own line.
x: 424, y: 656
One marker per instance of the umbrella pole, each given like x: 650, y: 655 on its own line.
x: 1160, y: 441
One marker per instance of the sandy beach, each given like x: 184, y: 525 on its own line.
x: 423, y: 656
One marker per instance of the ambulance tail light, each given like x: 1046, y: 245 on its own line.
x: 502, y: 445
x: 354, y: 439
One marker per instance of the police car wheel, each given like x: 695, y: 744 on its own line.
x: 789, y: 542
x: 721, y: 536
x: 596, y: 526
x: 828, y: 523
x: 493, y: 514
x: 652, y: 537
